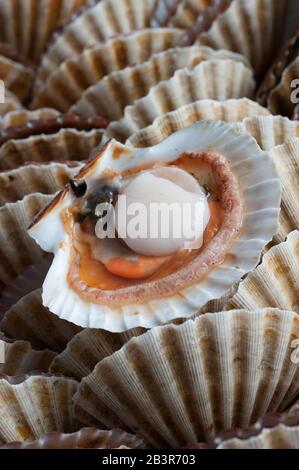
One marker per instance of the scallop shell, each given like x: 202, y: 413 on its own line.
x: 261, y: 193
x: 281, y: 100
x: 12, y: 103
x: 52, y: 126
x: 29, y: 279
x: 254, y: 29
x: 182, y: 14
x: 284, y: 58
x: 295, y: 406
x: 232, y: 111
x: 286, y: 159
x: 29, y: 320
x: 20, y: 358
x: 64, y: 146
x: 86, y: 438
x: 113, y: 93
x: 179, y: 384
x: 274, y: 283
x: 88, y: 348
x: 33, y: 405
x: 27, y: 26
x: 17, y: 249
x: 21, y: 117
x: 17, y: 78
x: 270, y: 131
x: 292, y: 23
x: 45, y: 179
x: 272, y: 432
x: 63, y: 86
x: 104, y: 20
x: 164, y: 12
x: 213, y: 79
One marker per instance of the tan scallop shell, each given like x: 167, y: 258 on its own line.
x: 179, y: 384
x: 213, y: 79
x: 88, y: 348
x: 28, y: 25
x: 286, y: 159
x: 11, y: 103
x: 64, y: 146
x: 279, y: 437
x: 64, y: 85
x: 113, y: 93
x: 45, y: 179
x: 253, y: 28
x: 20, y: 358
x: 20, y: 117
x: 86, y: 438
x: 29, y: 320
x: 282, y: 435
x: 274, y: 283
x: 295, y: 407
x: 17, y: 249
x: 283, y: 98
x: 17, y: 78
x: 182, y: 13
x: 270, y: 131
x: 33, y: 405
x: 104, y: 20
x: 233, y: 111
x: 29, y: 279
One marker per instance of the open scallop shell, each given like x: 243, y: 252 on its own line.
x: 88, y: 348
x: 280, y: 99
x: 21, y: 117
x: 65, y: 85
x: 179, y: 384
x: 182, y: 14
x: 261, y: 198
x: 274, y: 283
x: 110, y: 96
x: 252, y: 28
x: 45, y: 179
x: 17, y: 78
x: 213, y: 79
x: 86, y: 438
x: 232, y: 111
x: 20, y: 358
x: 33, y: 405
x: 27, y: 26
x: 29, y: 320
x: 64, y: 146
x: 12, y: 103
x: 105, y: 19
x: 272, y: 432
x: 270, y: 131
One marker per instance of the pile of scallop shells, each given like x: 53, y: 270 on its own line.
x: 84, y: 72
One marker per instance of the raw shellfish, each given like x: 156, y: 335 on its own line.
x: 108, y: 290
